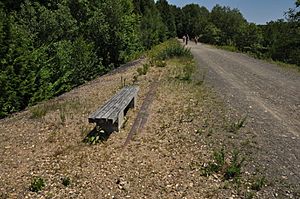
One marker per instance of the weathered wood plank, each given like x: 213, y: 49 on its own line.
x: 107, y: 108
x: 120, y: 105
x: 112, y: 108
x: 107, y: 105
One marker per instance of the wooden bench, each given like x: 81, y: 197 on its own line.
x: 110, y: 117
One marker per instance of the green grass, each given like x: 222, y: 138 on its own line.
x: 258, y: 183
x: 37, y: 184
x: 41, y: 110
x: 216, y: 165
x: 236, y: 126
x: 143, y: 70
x: 262, y: 57
x: 234, y: 168
x: 228, y: 48
x: 284, y: 65
x: 229, y: 170
x: 38, y: 111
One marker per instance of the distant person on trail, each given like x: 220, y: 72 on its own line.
x: 196, y: 39
x: 183, y: 38
x: 187, y: 39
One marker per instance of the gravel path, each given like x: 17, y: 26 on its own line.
x: 269, y: 95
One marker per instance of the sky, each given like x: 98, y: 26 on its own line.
x: 256, y: 11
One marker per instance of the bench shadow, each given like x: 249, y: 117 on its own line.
x: 97, y: 135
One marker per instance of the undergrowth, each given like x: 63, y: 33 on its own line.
x: 167, y: 50
x: 37, y: 184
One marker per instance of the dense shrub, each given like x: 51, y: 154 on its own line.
x: 169, y: 49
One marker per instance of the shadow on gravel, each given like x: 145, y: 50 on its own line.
x: 97, y: 136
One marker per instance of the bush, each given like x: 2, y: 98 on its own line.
x: 169, y: 49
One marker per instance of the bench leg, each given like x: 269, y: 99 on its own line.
x: 133, y: 102
x: 120, y: 120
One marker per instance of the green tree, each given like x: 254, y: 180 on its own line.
x: 229, y: 21
x: 211, y: 34
x: 195, y: 19
x: 168, y: 17
x: 250, y: 39
x: 152, y: 28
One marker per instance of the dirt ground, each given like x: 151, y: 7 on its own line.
x: 269, y: 96
x: 186, y: 123
x: 163, y: 161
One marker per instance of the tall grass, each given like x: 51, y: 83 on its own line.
x: 169, y: 49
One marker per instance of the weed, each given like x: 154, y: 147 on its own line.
x: 62, y: 115
x: 66, y: 181
x: 219, y: 157
x: 123, y: 82
x: 236, y: 126
x: 234, y: 169
x: 249, y: 195
x: 186, y: 73
x: 84, y: 130
x: 143, y: 70
x: 229, y: 48
x: 258, y: 183
x: 216, y: 165
x: 38, y: 111
x: 96, y: 136
x: 134, y: 79
x: 37, y: 184
x: 161, y: 64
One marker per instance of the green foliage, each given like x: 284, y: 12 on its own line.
x: 169, y: 49
x: 234, y: 169
x: 152, y: 29
x: 160, y: 63
x: 96, y: 136
x: 49, y: 48
x: 38, y: 111
x: 66, y: 181
x: 143, y: 70
x: 216, y: 165
x: 234, y: 127
x: 168, y: 17
x: 229, y: 171
x: 37, y: 184
x: 229, y: 21
x: 195, y: 19
x: 258, y: 183
x: 186, y: 72
x: 211, y: 34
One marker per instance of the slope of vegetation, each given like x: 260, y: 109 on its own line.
x: 50, y: 47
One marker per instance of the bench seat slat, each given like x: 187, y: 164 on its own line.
x: 111, y: 109
x: 107, y: 105
x: 120, y: 105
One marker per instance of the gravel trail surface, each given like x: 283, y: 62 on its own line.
x: 270, y: 97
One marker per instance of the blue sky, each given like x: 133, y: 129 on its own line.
x: 257, y: 11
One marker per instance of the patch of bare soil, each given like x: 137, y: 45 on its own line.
x: 166, y: 160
